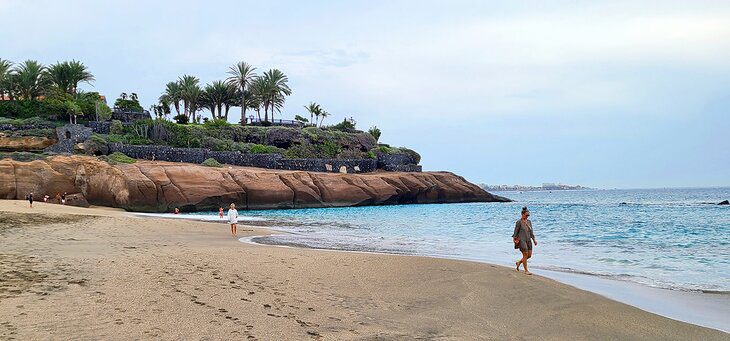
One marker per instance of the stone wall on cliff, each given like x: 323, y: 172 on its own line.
x: 269, y: 161
x: 67, y: 137
x: 161, y: 186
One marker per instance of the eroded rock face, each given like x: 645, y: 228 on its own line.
x: 161, y: 186
x: 24, y: 143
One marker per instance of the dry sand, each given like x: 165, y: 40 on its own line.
x: 74, y: 273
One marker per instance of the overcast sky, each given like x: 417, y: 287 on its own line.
x: 615, y: 94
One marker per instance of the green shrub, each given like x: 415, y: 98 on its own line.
x: 116, y: 127
x: 241, y: 147
x: 120, y: 158
x: 37, y: 121
x: 217, y: 123
x: 130, y: 103
x: 372, y: 155
x: 105, y: 113
x: 115, y: 138
x: 96, y: 145
x: 136, y: 140
x: 211, y: 143
x: 385, y: 149
x: 181, y: 119
x: 263, y: 149
x: 24, y: 108
x: 249, y: 134
x: 346, y: 125
x: 330, y: 149
x: 98, y: 138
x: 375, y: 132
x: 301, y: 151
x: 313, y: 134
x: 211, y: 162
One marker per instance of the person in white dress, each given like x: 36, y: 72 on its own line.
x: 233, y: 219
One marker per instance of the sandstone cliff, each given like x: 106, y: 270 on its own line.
x: 24, y: 143
x: 161, y: 186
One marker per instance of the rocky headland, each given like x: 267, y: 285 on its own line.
x: 156, y: 186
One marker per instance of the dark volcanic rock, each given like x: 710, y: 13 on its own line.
x: 724, y: 202
x: 162, y: 186
x: 282, y: 137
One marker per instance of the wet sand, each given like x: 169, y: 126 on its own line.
x: 74, y: 273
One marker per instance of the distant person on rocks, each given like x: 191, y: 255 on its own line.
x: 45, y: 198
x: 521, y: 237
x: 233, y: 219
x: 220, y: 212
x: 177, y: 210
x: 63, y: 198
x: 58, y: 197
x: 30, y: 199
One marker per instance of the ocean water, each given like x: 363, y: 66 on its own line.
x: 667, y: 238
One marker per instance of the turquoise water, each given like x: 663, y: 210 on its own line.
x: 667, y: 238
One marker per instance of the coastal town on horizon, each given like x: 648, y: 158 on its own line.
x: 547, y: 186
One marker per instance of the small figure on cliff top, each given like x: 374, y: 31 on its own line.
x: 220, y: 212
x: 233, y: 219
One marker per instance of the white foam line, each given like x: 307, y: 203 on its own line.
x: 198, y: 217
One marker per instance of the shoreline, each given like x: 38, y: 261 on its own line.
x: 709, y: 308
x: 111, y: 271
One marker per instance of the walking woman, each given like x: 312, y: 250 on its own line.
x: 521, y: 237
x: 233, y: 219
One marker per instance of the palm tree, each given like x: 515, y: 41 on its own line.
x: 275, y: 90
x: 242, y: 76
x: 231, y: 100
x: 190, y: 94
x: 313, y: 109
x: 217, y: 95
x: 161, y: 109
x: 5, y: 78
x: 256, y: 104
x: 31, y: 79
x: 323, y: 114
x: 258, y: 93
x: 173, y: 94
x: 67, y: 75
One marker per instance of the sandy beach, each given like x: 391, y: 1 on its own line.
x: 99, y: 273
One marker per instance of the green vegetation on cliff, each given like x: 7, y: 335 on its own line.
x: 309, y: 142
x: 210, y: 162
x: 37, y: 98
x: 117, y: 157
